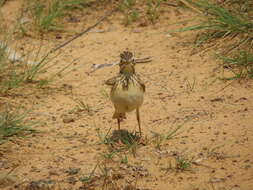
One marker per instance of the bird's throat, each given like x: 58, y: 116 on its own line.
x: 127, y: 70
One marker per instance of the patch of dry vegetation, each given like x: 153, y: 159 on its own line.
x: 228, y: 26
x: 46, y: 15
x: 221, y: 22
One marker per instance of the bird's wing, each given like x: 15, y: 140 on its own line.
x: 141, y: 83
x: 111, y: 81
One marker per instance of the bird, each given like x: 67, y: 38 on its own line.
x: 127, y: 89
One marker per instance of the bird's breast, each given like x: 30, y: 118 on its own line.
x: 127, y: 99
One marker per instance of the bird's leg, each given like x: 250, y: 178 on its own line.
x: 138, y: 119
x: 118, y: 119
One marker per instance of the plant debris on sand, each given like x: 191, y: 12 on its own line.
x: 56, y: 126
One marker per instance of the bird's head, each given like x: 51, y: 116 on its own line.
x: 127, y: 63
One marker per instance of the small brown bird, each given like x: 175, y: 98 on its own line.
x: 127, y: 90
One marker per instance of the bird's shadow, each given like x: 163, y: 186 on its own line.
x: 123, y: 136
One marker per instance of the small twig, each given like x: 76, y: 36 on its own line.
x: 8, y: 173
x: 143, y: 60
x: 225, y: 86
x: 77, y: 36
x: 235, y: 46
x: 85, y: 31
x: 170, y: 4
x: 11, y: 170
x: 137, y: 61
x: 190, y: 6
x: 199, y: 164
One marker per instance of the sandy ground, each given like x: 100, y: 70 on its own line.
x: 182, y: 90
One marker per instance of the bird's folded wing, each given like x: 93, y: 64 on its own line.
x: 141, y: 83
x: 111, y: 81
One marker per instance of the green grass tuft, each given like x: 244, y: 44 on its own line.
x: 46, y: 14
x: 159, y: 139
x: 131, y: 14
x: 44, y: 19
x: 153, y: 12
x: 183, y: 164
x: 22, y: 71
x: 221, y: 18
x: 13, y: 123
x: 231, y: 24
x: 220, y: 21
x: 241, y: 65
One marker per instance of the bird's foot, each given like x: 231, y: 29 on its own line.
x: 141, y: 139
